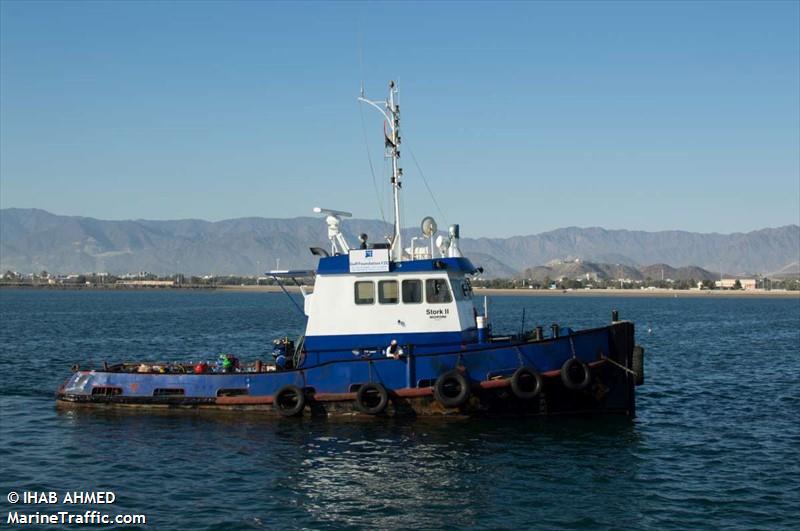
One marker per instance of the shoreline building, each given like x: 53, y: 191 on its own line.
x: 729, y: 283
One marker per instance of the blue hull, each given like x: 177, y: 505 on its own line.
x: 330, y: 387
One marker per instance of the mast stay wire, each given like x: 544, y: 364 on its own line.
x: 425, y: 181
x: 378, y: 196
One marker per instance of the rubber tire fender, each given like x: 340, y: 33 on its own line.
x: 361, y: 399
x: 440, y: 389
x: 518, y: 385
x: 566, y: 375
x: 289, y: 410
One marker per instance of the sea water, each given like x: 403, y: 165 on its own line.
x: 716, y: 443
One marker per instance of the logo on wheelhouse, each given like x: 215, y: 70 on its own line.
x: 368, y: 260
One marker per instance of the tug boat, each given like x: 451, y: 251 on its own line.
x: 392, y: 331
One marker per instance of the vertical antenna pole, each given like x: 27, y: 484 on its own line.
x: 397, y: 172
x: 391, y: 113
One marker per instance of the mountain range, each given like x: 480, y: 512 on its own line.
x: 33, y: 240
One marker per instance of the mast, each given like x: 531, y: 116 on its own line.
x: 390, y: 110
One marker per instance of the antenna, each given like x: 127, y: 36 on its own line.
x: 391, y: 113
x: 334, y: 218
x: 361, y: 60
x: 329, y: 212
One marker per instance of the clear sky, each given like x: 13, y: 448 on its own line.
x: 524, y: 117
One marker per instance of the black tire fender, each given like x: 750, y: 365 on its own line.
x: 366, y: 399
x: 572, y: 381
x: 526, y: 383
x: 289, y: 401
x: 451, y: 389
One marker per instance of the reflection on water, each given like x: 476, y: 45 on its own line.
x: 362, y: 472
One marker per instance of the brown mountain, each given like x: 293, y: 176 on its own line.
x: 32, y: 240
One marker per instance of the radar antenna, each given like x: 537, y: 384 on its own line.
x: 334, y: 219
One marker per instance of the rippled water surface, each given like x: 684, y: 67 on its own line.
x: 716, y: 443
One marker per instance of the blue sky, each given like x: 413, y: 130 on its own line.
x: 524, y: 117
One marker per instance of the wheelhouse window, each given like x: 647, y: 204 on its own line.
x: 412, y: 291
x: 387, y: 292
x: 365, y: 292
x: 437, y: 291
x: 462, y: 289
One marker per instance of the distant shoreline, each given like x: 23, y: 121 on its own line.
x: 656, y: 292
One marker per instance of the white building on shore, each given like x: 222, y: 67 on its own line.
x: 729, y: 283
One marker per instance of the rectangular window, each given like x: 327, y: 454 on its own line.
x: 168, y: 392
x: 106, y: 390
x: 365, y: 292
x: 232, y: 392
x: 462, y: 288
x: 412, y: 291
x: 387, y: 292
x: 437, y: 291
